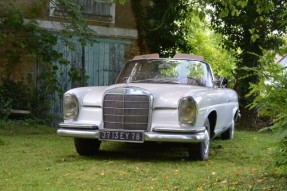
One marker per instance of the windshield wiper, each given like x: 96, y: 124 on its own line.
x: 168, y: 81
x: 157, y: 80
x: 144, y: 80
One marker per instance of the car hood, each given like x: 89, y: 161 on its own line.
x: 164, y: 95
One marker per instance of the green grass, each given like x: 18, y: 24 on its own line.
x: 33, y: 157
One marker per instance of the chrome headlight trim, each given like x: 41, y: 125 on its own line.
x: 70, y: 106
x: 187, y: 111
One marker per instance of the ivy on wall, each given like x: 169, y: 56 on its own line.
x: 22, y: 40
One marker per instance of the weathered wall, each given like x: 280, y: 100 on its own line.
x: 124, y: 15
x: 124, y: 28
x: 24, y: 70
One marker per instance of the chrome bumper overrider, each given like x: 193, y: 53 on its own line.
x: 161, y: 135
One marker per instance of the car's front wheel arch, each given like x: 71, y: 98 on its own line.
x: 212, y: 118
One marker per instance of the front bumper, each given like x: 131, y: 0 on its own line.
x: 159, y: 134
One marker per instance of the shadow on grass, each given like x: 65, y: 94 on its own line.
x: 146, y: 152
x: 143, y: 152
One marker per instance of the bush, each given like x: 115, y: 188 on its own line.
x: 270, y: 101
x: 281, y: 156
x: 17, y: 93
x: 5, y: 105
x: 13, y: 95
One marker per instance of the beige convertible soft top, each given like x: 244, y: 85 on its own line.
x: 177, y: 56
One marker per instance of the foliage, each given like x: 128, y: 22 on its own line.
x: 270, y: 98
x: 207, y: 43
x: 17, y: 91
x: 177, y: 26
x: 5, y: 104
x: 23, y: 39
x: 13, y: 95
x: 47, y: 162
x: 42, y: 96
x: 247, y: 26
x: 162, y: 26
x: 74, y: 23
x: 120, y: 1
x: 281, y: 155
x: 270, y: 91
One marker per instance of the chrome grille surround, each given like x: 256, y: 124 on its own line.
x: 127, y: 108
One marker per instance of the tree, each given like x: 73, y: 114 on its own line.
x: 256, y: 29
x: 162, y: 26
x: 270, y: 98
x: 248, y: 27
x: 208, y: 44
x: 169, y: 26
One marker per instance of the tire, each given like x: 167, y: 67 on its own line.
x: 200, y: 151
x: 229, y: 133
x: 87, y: 147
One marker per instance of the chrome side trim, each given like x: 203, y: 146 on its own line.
x: 89, y: 134
x: 80, y: 126
x: 179, y: 138
x: 179, y: 130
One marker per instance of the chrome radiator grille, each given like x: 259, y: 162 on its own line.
x: 124, y: 111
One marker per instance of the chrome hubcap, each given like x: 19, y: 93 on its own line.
x: 206, y: 142
x: 232, y: 129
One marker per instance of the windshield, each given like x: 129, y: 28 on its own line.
x: 166, y: 71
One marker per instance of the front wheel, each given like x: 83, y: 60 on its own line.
x: 87, y: 147
x: 200, y: 151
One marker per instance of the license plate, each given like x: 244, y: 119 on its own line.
x: 123, y: 136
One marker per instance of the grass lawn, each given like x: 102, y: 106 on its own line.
x: 34, y: 158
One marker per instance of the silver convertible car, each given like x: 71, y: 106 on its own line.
x: 155, y: 99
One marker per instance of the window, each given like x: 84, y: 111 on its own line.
x: 103, y: 10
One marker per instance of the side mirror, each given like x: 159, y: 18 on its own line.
x: 126, y: 80
x: 221, y: 82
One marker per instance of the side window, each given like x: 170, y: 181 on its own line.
x: 208, y: 75
x: 202, y: 73
x: 197, y: 73
x: 197, y: 70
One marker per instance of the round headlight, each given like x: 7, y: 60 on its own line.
x: 71, y: 106
x: 187, y: 111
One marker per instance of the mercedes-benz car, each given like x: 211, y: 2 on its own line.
x: 176, y: 100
